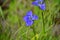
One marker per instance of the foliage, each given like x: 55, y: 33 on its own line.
x: 12, y: 25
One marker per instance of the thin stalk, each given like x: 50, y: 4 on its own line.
x: 43, y: 22
x: 1, y: 13
x: 34, y: 32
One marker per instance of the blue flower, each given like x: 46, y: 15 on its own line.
x: 29, y: 18
x: 39, y: 3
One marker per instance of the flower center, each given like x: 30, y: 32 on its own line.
x: 39, y: 2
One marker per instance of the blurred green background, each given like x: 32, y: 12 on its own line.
x: 12, y: 25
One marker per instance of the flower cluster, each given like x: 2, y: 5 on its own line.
x: 29, y: 18
x: 39, y: 3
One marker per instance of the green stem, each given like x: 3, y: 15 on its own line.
x: 34, y: 32
x: 1, y: 13
x: 43, y: 22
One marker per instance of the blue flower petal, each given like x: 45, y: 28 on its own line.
x: 29, y: 23
x: 26, y: 18
x: 35, y: 3
x: 29, y: 13
x: 34, y: 17
x: 42, y: 6
x: 39, y: 0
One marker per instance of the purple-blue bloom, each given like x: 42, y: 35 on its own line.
x: 29, y: 18
x: 39, y: 3
x: 42, y: 6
